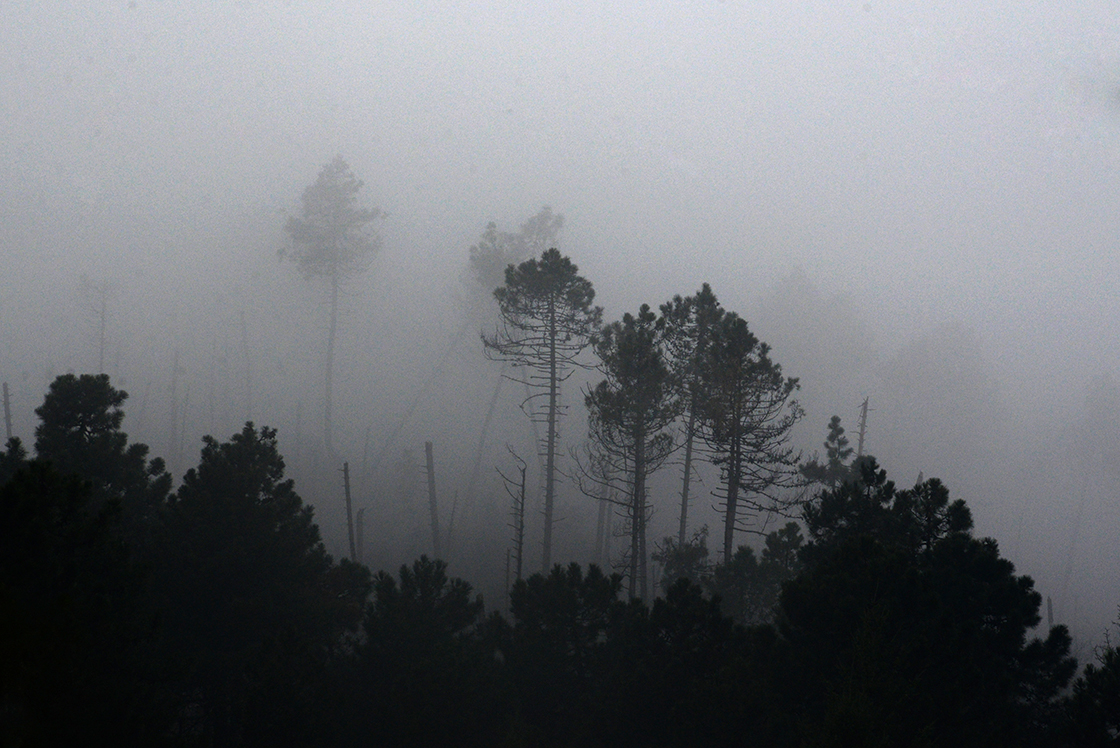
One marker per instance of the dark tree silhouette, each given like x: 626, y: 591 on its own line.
x: 80, y: 433
x: 688, y: 561
x: 254, y: 605
x: 748, y: 585
x: 687, y: 325
x: 424, y: 671
x: 629, y: 415
x: 555, y: 651
x: 912, y: 629
x: 837, y: 466
x: 1090, y: 714
x: 74, y: 623
x: 546, y: 320
x: 333, y: 241
x: 747, y: 415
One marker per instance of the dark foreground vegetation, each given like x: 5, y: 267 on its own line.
x: 131, y: 614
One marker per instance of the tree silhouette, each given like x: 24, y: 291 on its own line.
x: 687, y: 325
x: 914, y: 631
x: 80, y: 433
x: 836, y: 468
x: 747, y: 415
x: 254, y: 605
x: 629, y: 414
x: 333, y: 241
x: 546, y: 319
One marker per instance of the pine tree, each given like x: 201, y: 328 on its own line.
x: 332, y: 241
x: 629, y: 414
x: 546, y: 319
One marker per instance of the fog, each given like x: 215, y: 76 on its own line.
x: 911, y: 202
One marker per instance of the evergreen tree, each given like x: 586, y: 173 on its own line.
x: 687, y: 325
x: 909, y: 630
x: 546, y: 320
x: 836, y: 468
x: 424, y: 673
x: 747, y: 415
x: 629, y: 414
x: 80, y: 434
x: 75, y: 623
x: 254, y: 605
x: 333, y: 241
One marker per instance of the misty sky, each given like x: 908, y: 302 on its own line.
x: 935, y: 163
x: 936, y: 159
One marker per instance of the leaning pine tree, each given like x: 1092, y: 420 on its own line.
x: 629, y: 415
x: 546, y: 319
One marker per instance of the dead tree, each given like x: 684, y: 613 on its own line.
x: 515, y: 489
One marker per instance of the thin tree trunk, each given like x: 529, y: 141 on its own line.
x: 482, y: 440
x: 359, y: 531
x: 550, y: 464
x: 101, y: 343
x: 638, y: 531
x: 690, y: 436
x: 248, y: 369
x: 520, y: 520
x: 7, y: 411
x: 328, y: 440
x: 734, y: 466
x: 425, y: 387
x: 173, y: 445
x: 432, y: 499
x: 349, y: 511
x: 600, y: 535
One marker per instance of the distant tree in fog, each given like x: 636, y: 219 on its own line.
x: 496, y: 250
x: 837, y: 467
x: 333, y: 241
x: 546, y: 319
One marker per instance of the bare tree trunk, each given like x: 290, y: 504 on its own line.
x: 600, y: 534
x: 425, y: 387
x: 690, y: 437
x: 734, y: 467
x: 638, y: 531
x: 519, y: 540
x: 432, y: 499
x: 173, y: 445
x: 550, y: 464
x: 482, y: 440
x: 248, y: 369
x: 360, y: 521
x: 328, y: 439
x: 7, y: 411
x: 349, y: 511
x: 101, y: 342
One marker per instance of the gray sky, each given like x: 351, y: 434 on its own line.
x: 933, y: 162
x: 941, y: 158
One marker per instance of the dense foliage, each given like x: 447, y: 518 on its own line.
x: 216, y: 618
